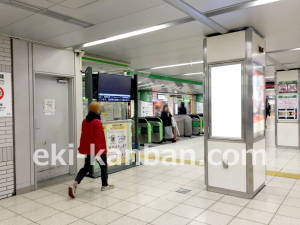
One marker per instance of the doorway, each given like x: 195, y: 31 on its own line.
x: 54, y: 124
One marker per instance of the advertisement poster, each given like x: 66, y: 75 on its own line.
x: 49, y: 107
x: 288, y: 107
x: 5, y: 95
x: 287, y: 86
x: 116, y: 140
x: 258, y: 102
x: 199, y: 107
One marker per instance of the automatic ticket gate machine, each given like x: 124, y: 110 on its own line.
x: 196, y: 124
x: 202, y: 122
x: 157, y: 134
x: 146, y: 131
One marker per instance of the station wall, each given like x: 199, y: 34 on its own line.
x: 6, y: 130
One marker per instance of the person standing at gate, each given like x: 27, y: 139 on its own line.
x: 182, y: 109
x: 93, y: 145
x: 166, y: 118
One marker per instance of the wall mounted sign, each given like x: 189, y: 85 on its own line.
x: 5, y: 95
x: 288, y: 107
x: 287, y: 86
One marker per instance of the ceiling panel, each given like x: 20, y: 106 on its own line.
x: 105, y: 10
x: 153, y: 40
x: 286, y: 57
x: 56, y: 1
x: 41, y: 3
x: 74, y: 4
x: 208, y: 5
x: 164, y: 47
x: 168, y: 58
x: 270, y: 19
x: 118, y: 26
x: 38, y: 27
x: 9, y: 15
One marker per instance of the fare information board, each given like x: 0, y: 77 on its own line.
x: 288, y: 107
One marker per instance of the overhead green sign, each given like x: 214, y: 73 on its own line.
x: 199, y: 98
x: 146, y: 96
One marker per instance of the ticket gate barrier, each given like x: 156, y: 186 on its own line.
x: 157, y: 124
x: 197, y: 124
x: 202, y: 122
x: 146, y: 131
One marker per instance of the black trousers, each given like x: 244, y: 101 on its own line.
x: 89, y: 160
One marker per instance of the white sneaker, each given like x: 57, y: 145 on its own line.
x: 72, y: 191
x: 106, y: 188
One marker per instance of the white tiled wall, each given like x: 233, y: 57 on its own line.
x: 6, y: 130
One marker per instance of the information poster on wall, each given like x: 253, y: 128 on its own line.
x: 258, y: 101
x: 49, y: 107
x: 199, y: 107
x: 287, y: 86
x: 118, y: 110
x: 109, y: 112
x: 116, y: 140
x: 5, y: 95
x: 146, y: 104
x: 288, y: 107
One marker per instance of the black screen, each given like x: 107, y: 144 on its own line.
x: 114, y: 88
x: 114, y: 84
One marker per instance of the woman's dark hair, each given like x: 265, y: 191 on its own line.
x: 164, y: 108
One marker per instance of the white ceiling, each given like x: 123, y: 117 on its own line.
x: 278, y: 22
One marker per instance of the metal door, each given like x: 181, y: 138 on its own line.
x: 51, y: 124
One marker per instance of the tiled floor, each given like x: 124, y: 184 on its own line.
x: 143, y: 196
x: 147, y: 195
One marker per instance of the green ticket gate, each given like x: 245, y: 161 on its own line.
x: 157, y: 134
x: 146, y: 131
x: 197, y: 124
x: 202, y: 122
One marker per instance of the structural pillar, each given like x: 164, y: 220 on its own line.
x: 234, y: 113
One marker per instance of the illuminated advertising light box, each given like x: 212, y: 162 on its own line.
x: 259, y: 107
x: 226, y: 101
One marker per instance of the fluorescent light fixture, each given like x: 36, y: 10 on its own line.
x: 295, y: 49
x: 187, y: 74
x: 261, y: 2
x: 270, y: 77
x: 145, y: 85
x: 126, y: 35
x: 175, y: 65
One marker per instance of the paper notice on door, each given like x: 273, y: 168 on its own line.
x: 49, y: 107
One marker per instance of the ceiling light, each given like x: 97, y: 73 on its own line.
x: 295, y: 49
x: 270, y: 77
x: 261, y: 2
x: 175, y: 65
x: 139, y: 32
x: 126, y: 35
x: 187, y: 74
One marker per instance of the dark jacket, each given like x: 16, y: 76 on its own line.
x: 92, y: 134
x: 182, y: 109
x: 167, y: 120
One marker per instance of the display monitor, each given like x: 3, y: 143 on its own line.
x: 114, y: 88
